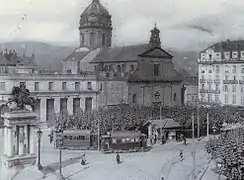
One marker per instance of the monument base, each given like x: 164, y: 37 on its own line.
x: 18, y: 161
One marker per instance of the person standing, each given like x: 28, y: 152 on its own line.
x: 117, y: 158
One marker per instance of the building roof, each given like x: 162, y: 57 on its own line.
x: 236, y: 45
x: 120, y: 54
x: 164, y: 123
x: 190, y: 80
x: 126, y: 134
x: 95, y: 7
x: 77, y: 54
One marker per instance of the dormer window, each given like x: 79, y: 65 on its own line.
x: 210, y: 56
x: 218, y: 56
x: 227, y: 55
x: 203, y: 56
x: 235, y: 55
x: 242, y: 55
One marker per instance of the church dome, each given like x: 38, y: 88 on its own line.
x: 95, y: 15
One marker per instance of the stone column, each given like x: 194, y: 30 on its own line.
x: 10, y: 142
x: 150, y: 135
x: 82, y: 103
x: 57, y: 105
x: 5, y: 140
x: 21, y: 141
x: 43, y: 110
x: 70, y: 105
x: 32, y: 140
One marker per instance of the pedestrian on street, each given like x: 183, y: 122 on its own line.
x: 181, y: 155
x: 117, y: 158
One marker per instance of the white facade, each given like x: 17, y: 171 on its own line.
x: 221, y: 76
x: 51, y: 89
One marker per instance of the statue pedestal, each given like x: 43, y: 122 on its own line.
x: 19, y: 139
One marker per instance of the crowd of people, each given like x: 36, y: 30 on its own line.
x: 229, y: 147
x: 133, y: 117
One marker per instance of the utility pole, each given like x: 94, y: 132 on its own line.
x: 207, y: 125
x: 198, y: 122
x: 193, y: 149
x: 98, y: 124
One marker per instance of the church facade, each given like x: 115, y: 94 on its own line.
x: 141, y: 74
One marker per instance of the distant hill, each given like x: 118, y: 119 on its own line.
x: 51, y: 56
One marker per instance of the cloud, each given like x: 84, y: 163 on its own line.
x: 58, y: 20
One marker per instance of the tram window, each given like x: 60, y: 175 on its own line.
x: 123, y: 140
x: 114, y: 140
x: 82, y: 137
x: 127, y: 139
x: 137, y: 139
x: 65, y: 137
x: 87, y: 138
x: 75, y: 138
x: 132, y: 140
x: 118, y: 140
x: 70, y: 137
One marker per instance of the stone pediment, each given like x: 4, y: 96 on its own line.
x: 156, y: 52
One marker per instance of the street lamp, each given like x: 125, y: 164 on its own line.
x: 60, y: 135
x: 39, y: 135
x: 219, y: 163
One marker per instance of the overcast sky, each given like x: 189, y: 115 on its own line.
x: 58, y: 20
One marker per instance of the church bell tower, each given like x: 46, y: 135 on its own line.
x: 155, y: 38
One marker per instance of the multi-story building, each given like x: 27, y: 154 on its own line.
x: 54, y: 92
x: 221, y: 73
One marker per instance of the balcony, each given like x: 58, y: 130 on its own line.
x: 215, y: 91
x: 241, y: 81
x: 217, y: 81
x: 202, y: 80
x: 209, y: 81
x: 230, y: 81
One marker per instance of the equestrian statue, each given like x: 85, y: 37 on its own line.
x: 21, y: 96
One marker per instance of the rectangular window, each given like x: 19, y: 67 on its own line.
x: 218, y: 56
x: 156, y: 69
x: 63, y: 104
x: 37, y: 88
x: 226, y: 88
x: 64, y: 84
x: 234, y: 88
x: 50, y: 86
x: 202, y: 97
x: 226, y: 99
x: 234, y: 99
x: 89, y: 85
x: 209, y: 98
x: 2, y: 86
x: 210, y: 87
x: 242, y: 89
x: 77, y: 86
x: 226, y: 77
x: 216, y: 98
x: 88, y: 104
x: 242, y: 70
x: 217, y: 87
x: 242, y: 100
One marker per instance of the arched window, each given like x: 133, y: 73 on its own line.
x: 119, y: 68
x: 132, y: 68
x: 92, y: 39
x: 174, y: 96
x: 104, y: 39
x: 82, y: 39
x: 234, y: 69
x: 134, y: 98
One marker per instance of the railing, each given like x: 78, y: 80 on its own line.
x: 217, y: 81
x: 230, y: 81
x: 47, y: 75
x: 209, y: 81
x: 210, y: 91
x: 202, y: 80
